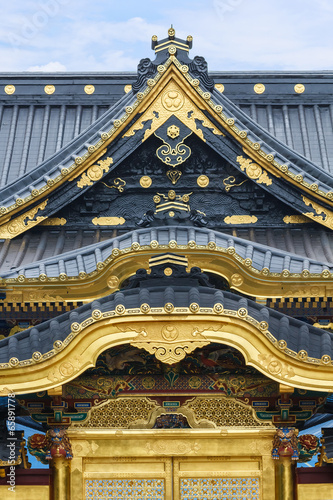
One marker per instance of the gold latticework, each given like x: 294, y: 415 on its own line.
x: 119, y: 413
x: 119, y: 489
x: 224, y: 412
x: 237, y: 488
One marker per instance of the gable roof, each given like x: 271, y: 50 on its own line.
x: 305, y: 181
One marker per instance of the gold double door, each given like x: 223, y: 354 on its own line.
x: 174, y: 478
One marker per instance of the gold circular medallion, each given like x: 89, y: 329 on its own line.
x: 148, y: 383
x: 173, y: 131
x: 154, y: 38
x: 219, y: 87
x: 236, y: 280
x: 168, y: 271
x: 113, y: 282
x: 203, y: 181
x: 49, y: 89
x: 299, y: 88
x: 169, y: 332
x: 171, y: 194
x: 127, y: 88
x: 145, y: 181
x: 259, y: 88
x: 171, y: 32
x: 171, y: 213
x: 173, y: 100
x: 89, y: 89
x: 10, y: 89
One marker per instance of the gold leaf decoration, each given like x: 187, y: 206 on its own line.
x: 172, y: 102
x: 241, y: 219
x: 56, y: 221
x: 254, y: 171
x: 23, y: 222
x: 324, y: 216
x: 169, y: 344
x: 94, y: 173
x: 108, y: 221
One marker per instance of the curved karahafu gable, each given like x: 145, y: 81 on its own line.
x: 172, y: 85
x: 58, y: 350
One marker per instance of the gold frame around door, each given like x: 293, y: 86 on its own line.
x: 236, y: 452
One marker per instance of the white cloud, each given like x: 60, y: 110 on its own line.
x: 114, y: 36
x: 49, y: 67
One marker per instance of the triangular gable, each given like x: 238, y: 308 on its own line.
x: 181, y: 90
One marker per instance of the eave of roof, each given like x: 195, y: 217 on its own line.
x: 257, y: 142
x: 128, y: 311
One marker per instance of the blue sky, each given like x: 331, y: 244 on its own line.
x: 108, y: 35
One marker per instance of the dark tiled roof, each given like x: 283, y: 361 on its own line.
x: 41, y: 338
x: 52, y: 167
x: 86, y: 259
x: 34, y: 125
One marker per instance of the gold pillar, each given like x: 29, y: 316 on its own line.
x: 284, y: 484
x: 60, y: 478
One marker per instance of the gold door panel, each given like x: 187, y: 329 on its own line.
x: 212, y: 478
x: 216, y: 478
x: 128, y: 478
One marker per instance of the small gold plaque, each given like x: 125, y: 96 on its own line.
x: 203, y: 181
x: 127, y: 88
x: 49, y: 89
x: 219, y: 87
x: 259, y: 88
x: 145, y: 181
x: 299, y: 88
x: 10, y: 89
x: 89, y: 89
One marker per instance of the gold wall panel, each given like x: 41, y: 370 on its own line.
x: 30, y: 492
x: 318, y: 491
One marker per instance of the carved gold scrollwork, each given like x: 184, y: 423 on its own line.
x: 168, y: 343
x: 23, y: 222
x: 172, y: 102
x: 295, y: 219
x: 94, y: 173
x: 324, y: 216
x: 275, y: 366
x: 254, y: 171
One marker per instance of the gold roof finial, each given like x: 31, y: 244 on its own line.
x: 171, y: 32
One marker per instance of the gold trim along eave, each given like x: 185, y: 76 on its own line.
x: 80, y: 350
x: 121, y: 264
x: 203, y: 101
